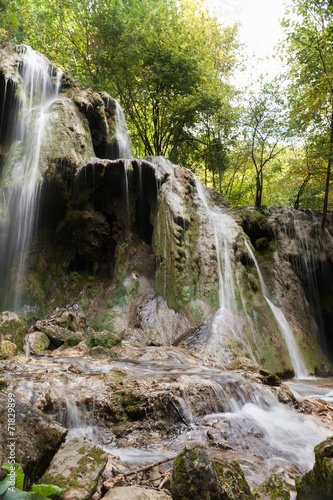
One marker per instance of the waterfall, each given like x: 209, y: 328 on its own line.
x: 122, y: 134
x: 21, y: 174
x: 293, y: 350
x: 226, y: 322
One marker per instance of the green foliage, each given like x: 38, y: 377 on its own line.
x: 309, y: 51
x: 9, y: 492
x: 168, y: 62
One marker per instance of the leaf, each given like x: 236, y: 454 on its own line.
x: 19, y: 474
x: 16, y: 495
x: 4, y: 484
x: 47, y: 489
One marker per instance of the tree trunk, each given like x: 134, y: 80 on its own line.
x: 259, y: 191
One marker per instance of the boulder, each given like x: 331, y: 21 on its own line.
x: 37, y: 342
x: 135, y: 493
x: 317, y: 484
x: 64, y: 325
x: 7, y: 349
x: 77, y: 467
x: 195, y: 475
x: 273, y: 488
x: 37, y: 437
x: 231, y: 481
x: 12, y: 330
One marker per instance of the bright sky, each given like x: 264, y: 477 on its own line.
x: 260, y: 29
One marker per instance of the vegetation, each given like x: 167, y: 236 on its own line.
x: 13, y: 486
x: 170, y: 64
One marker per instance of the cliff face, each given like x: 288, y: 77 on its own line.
x: 146, y: 251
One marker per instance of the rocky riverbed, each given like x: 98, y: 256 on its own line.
x: 140, y: 405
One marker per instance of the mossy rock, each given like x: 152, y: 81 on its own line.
x: 273, y: 488
x: 104, y: 339
x: 231, y: 480
x: 77, y: 466
x: 7, y: 349
x: 13, y: 328
x: 317, y: 484
x: 38, y: 342
x: 193, y: 475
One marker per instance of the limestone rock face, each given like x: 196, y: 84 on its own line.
x: 318, y: 483
x: 77, y: 467
x: 37, y: 437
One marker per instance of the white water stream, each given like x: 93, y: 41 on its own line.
x: 227, y: 322
x: 122, y: 134
x: 293, y: 350
x: 21, y: 180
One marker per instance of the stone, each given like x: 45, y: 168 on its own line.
x: 193, y: 475
x: 317, y: 484
x: 77, y: 466
x: 37, y: 437
x: 231, y: 480
x: 64, y: 325
x: 273, y: 488
x: 12, y: 328
x: 135, y: 493
x: 7, y: 349
x: 38, y: 342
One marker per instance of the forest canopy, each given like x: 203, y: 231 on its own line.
x: 171, y: 65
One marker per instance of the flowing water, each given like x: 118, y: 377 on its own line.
x: 227, y: 323
x: 20, y: 183
x: 122, y: 134
x: 245, y: 420
x: 293, y: 350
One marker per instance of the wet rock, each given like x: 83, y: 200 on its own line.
x: 195, y: 475
x: 135, y: 493
x: 37, y: 342
x: 7, y: 349
x: 65, y: 324
x: 319, y: 407
x: 317, y: 484
x: 273, y: 488
x: 84, y: 232
x: 251, y: 370
x: 231, y: 480
x: 37, y: 437
x: 12, y: 329
x: 77, y: 466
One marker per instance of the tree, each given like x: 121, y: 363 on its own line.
x: 310, y: 56
x: 166, y: 61
x: 266, y: 129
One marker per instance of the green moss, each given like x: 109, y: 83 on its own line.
x: 103, y: 339
x: 174, y: 242
x: 232, y: 480
x: 72, y: 341
x: 273, y: 488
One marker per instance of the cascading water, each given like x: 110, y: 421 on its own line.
x: 226, y: 322
x: 122, y: 134
x: 20, y: 186
x: 293, y: 350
